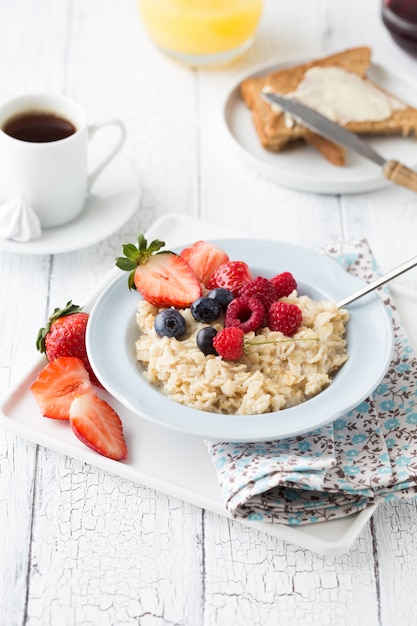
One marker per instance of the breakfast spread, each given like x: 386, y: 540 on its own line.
x: 337, y: 86
x: 216, y: 338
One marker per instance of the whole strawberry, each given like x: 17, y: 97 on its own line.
x: 231, y: 275
x: 64, y: 335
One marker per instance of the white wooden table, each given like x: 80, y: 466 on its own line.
x: 79, y: 545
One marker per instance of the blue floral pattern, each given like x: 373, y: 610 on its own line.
x: 368, y: 456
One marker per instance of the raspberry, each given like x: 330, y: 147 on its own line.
x: 284, y: 284
x: 262, y: 288
x: 245, y: 313
x: 228, y: 343
x: 284, y: 317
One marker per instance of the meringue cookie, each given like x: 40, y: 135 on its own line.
x: 18, y: 220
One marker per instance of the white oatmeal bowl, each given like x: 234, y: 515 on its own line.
x: 159, y: 389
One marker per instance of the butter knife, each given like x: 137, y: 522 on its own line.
x: 393, y: 170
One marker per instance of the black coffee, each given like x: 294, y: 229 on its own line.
x: 38, y: 127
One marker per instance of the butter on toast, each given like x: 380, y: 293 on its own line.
x: 272, y: 126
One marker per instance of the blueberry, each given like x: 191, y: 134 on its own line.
x: 205, y: 309
x: 205, y: 338
x: 223, y: 296
x: 170, y: 323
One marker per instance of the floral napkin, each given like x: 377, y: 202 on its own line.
x: 368, y: 456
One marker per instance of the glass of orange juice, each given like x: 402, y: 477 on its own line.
x: 201, y: 32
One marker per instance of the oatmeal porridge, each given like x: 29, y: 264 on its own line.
x: 268, y: 377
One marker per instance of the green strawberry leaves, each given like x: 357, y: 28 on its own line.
x: 57, y: 313
x: 137, y: 255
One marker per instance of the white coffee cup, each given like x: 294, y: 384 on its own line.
x: 52, y: 175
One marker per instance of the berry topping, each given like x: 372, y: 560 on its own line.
x: 284, y: 317
x: 58, y: 384
x: 284, y: 284
x: 223, y: 296
x: 205, y: 338
x: 170, y: 323
x: 162, y: 277
x: 262, y: 288
x: 204, y: 258
x: 64, y: 335
x: 205, y: 309
x: 231, y: 276
x: 245, y: 313
x: 98, y: 426
x: 228, y: 343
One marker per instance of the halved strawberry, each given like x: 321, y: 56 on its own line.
x: 231, y: 275
x: 98, y: 426
x: 204, y: 258
x: 58, y: 384
x: 162, y: 277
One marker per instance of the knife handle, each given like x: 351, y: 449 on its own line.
x: 399, y: 174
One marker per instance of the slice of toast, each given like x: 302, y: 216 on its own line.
x: 272, y: 126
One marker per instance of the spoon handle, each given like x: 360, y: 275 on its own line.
x: 378, y: 282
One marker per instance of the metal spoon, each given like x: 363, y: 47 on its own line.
x: 378, y: 282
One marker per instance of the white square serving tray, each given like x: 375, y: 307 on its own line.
x: 171, y: 462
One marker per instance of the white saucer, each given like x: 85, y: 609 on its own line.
x: 114, y: 198
x: 303, y: 168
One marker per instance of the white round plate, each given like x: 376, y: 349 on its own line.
x: 114, y: 198
x: 303, y: 168
x: 112, y: 331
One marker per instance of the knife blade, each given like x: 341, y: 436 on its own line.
x: 393, y: 170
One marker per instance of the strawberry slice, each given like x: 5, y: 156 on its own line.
x: 167, y: 280
x: 58, y: 384
x: 162, y: 277
x: 98, y: 426
x: 204, y: 258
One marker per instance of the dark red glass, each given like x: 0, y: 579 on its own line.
x: 400, y: 17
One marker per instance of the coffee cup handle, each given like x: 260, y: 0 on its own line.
x: 92, y: 129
